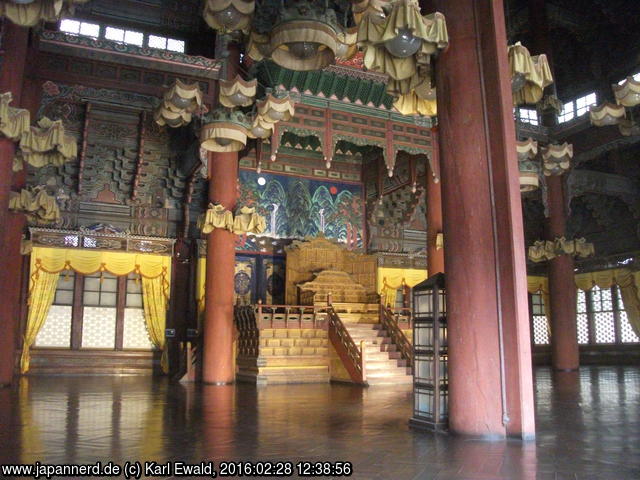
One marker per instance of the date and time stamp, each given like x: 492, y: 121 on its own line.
x: 206, y: 469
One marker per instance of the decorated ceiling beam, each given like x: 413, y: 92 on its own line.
x: 330, y: 127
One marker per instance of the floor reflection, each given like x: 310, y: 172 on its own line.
x: 588, y: 427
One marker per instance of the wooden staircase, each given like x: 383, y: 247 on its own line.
x: 384, y: 362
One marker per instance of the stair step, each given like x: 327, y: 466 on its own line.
x: 385, y: 365
x: 395, y: 373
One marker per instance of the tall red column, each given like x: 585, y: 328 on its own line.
x: 435, y: 256
x: 218, y: 319
x: 565, y: 353
x: 490, y: 377
x: 14, y: 46
x: 562, y: 288
x: 218, y: 366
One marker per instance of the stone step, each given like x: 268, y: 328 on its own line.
x: 355, y: 307
x: 390, y: 365
x: 385, y: 347
x: 378, y: 355
x: 374, y: 380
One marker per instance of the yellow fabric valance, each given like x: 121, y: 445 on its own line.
x: 47, y: 144
x: 216, y: 216
x: 248, y: 221
x: 37, y: 205
x: 391, y: 279
x: 14, y: 122
x: 86, y: 262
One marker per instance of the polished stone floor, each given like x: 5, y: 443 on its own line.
x: 588, y: 427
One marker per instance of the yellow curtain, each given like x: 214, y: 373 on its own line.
x: 41, y: 294
x: 628, y: 283
x: 391, y: 279
x: 155, y: 315
x: 47, y: 263
x: 201, y: 278
x: 55, y: 260
x: 541, y: 285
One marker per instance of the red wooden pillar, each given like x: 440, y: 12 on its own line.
x: 565, y: 354
x: 490, y: 377
x: 435, y: 256
x: 218, y: 319
x: 14, y: 46
x: 218, y: 361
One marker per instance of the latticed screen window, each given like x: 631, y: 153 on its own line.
x: 602, y: 319
x: 56, y: 331
x: 98, y: 311
x: 582, y: 318
x: 100, y: 290
x: 603, y: 315
x: 135, y: 334
x: 540, y: 325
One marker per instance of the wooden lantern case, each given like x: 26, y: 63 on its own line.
x: 430, y: 377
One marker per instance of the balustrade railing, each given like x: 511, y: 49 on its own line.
x: 389, y: 318
x: 353, y: 356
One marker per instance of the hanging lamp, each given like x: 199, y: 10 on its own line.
x: 224, y: 131
x: 301, y: 36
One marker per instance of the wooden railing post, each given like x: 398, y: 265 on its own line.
x: 363, y: 362
x: 329, y: 299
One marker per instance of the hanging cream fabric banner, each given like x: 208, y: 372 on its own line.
x: 391, y: 279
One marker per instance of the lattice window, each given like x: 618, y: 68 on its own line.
x: 135, y: 335
x: 100, y: 290
x: 76, y: 27
x: 99, y: 327
x: 603, y: 315
x: 528, y: 115
x: 56, y: 330
x: 540, y: 324
x: 582, y: 318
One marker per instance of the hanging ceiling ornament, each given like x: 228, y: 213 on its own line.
x: 421, y: 101
x: 29, y: 13
x: 273, y: 109
x: 529, y: 170
x: 38, y: 206
x: 363, y: 8
x: 46, y: 144
x: 606, y: 114
x: 402, y: 45
x: 227, y: 16
x: 178, y: 105
x: 530, y: 75
x: 260, y: 128
x: 557, y: 159
x: 238, y: 92
x: 628, y: 92
x: 14, y: 122
x: 301, y: 36
x: 224, y: 131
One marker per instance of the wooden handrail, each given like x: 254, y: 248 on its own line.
x: 390, y: 324
x: 353, y: 358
